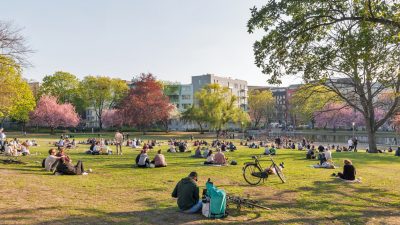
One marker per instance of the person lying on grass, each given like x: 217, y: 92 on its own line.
x: 159, y: 160
x: 187, y: 192
x: 349, y: 171
x: 51, y: 159
x: 64, y: 166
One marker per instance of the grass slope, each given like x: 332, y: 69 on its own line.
x: 117, y: 193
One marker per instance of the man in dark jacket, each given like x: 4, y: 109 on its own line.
x: 187, y: 193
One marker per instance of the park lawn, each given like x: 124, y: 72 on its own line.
x: 118, y: 193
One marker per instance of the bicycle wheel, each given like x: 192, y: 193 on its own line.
x: 279, y: 172
x: 249, y: 172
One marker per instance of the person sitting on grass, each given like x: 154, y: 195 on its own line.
x: 210, y: 158
x: 25, y: 149
x: 197, y: 153
x: 397, y: 153
x: 159, y: 160
x: 220, y: 158
x: 205, y: 152
x: 310, y: 154
x: 349, y: 171
x: 61, y: 153
x: 143, y: 161
x: 267, y: 151
x: 51, y: 159
x: 172, y: 149
x: 272, y: 150
x: 187, y: 193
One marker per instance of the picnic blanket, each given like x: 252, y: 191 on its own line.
x: 213, y: 164
x: 357, y: 180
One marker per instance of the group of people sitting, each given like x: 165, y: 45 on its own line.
x: 65, y: 143
x: 99, y: 148
x: 143, y: 160
x: 177, y: 146
x: 216, y: 159
x: 61, y: 164
x: 16, y: 147
x: 269, y: 150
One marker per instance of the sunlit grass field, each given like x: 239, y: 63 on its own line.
x: 117, y: 193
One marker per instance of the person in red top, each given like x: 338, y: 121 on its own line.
x: 220, y: 158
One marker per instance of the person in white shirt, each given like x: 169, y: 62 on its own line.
x: 51, y: 159
x: 350, y: 144
x: 328, y: 155
x: 210, y: 158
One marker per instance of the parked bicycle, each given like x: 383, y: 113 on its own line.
x: 244, y: 203
x: 253, y: 172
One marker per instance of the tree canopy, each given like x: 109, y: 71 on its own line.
x: 145, y: 103
x: 16, y: 98
x: 101, y: 93
x: 351, y: 47
x: 261, y: 106
x: 62, y: 85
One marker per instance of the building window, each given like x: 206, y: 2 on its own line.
x: 186, y: 97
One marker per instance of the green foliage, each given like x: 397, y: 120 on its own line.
x: 16, y: 97
x: 102, y: 93
x: 262, y: 105
x: 216, y: 106
x: 350, y: 47
x: 62, y: 85
x: 309, y: 99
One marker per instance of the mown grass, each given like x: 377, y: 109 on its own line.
x: 117, y: 193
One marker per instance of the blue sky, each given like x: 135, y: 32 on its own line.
x: 173, y: 39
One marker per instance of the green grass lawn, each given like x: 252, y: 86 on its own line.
x: 117, y: 193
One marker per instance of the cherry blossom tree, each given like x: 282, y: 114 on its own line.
x: 335, y: 115
x: 49, y: 113
x: 112, y: 118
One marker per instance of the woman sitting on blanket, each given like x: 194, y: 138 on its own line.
x: 210, y: 158
x: 349, y: 171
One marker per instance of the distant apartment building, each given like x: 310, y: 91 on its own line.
x: 181, y: 95
x: 237, y: 87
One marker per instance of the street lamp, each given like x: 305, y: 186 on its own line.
x: 242, y: 129
x: 353, y: 128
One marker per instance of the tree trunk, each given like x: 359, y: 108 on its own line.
x: 201, y: 128
x: 372, y: 148
x: 51, y: 130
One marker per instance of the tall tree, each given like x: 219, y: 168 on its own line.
x: 146, y: 104
x: 261, y: 106
x: 62, y: 85
x: 352, y: 47
x: 49, y: 113
x: 102, y: 93
x: 197, y: 115
x: 217, y: 106
x: 16, y: 98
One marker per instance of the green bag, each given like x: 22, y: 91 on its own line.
x: 217, y: 201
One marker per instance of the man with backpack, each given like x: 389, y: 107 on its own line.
x: 187, y: 193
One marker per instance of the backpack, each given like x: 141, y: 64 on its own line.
x: 214, y: 203
x: 44, y: 163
